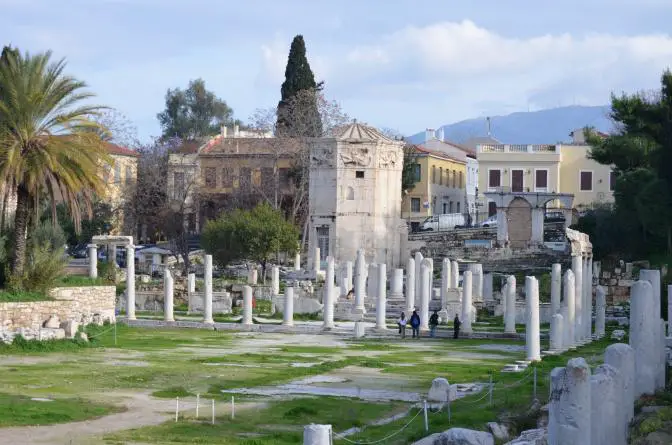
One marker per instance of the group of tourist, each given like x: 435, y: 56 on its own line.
x: 414, y: 321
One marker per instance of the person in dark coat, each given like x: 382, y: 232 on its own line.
x: 415, y: 324
x: 456, y: 326
x: 433, y: 323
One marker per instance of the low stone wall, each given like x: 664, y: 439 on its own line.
x: 80, y: 304
x: 616, y: 279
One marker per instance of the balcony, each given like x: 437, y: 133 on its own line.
x: 518, y: 148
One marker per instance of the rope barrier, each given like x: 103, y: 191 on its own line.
x: 384, y: 438
x: 100, y: 333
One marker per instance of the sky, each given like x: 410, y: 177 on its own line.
x: 399, y: 64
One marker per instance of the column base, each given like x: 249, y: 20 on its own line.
x: 381, y: 329
x: 211, y: 321
x: 510, y: 332
x: 169, y: 320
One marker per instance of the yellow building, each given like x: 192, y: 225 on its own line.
x: 440, y: 187
x: 559, y: 168
x: 120, y: 178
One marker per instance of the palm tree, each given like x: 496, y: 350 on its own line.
x: 49, y: 147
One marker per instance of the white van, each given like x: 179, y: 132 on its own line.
x: 443, y: 222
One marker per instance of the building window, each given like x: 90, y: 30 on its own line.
x: 267, y: 179
x: 586, y: 179
x: 210, y: 177
x: 461, y: 179
x: 323, y: 241
x: 284, y: 179
x: 492, y: 208
x: 227, y: 177
x: 450, y: 207
x: 612, y: 180
x: 458, y: 207
x: 444, y: 208
x: 245, y: 179
x: 517, y: 180
x: 494, y: 178
x: 417, y: 175
x: 440, y: 175
x: 117, y: 173
x: 415, y: 205
x: 454, y: 178
x: 129, y: 175
x: 178, y: 185
x: 541, y: 180
x: 350, y: 194
x: 433, y: 174
x: 359, y: 174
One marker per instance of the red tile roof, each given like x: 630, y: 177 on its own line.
x: 439, y: 154
x: 114, y: 149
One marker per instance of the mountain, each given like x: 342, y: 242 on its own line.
x: 534, y: 127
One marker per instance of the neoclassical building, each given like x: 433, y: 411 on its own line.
x: 355, y: 196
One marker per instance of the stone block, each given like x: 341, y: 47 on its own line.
x: 499, y: 431
x: 70, y: 327
x: 441, y: 391
x: 464, y: 436
x: 53, y: 322
x: 531, y: 437
x: 360, y: 329
x: 302, y: 305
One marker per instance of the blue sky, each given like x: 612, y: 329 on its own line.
x: 400, y: 64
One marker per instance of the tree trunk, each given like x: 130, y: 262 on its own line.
x: 20, y: 225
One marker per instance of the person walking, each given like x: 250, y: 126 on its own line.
x: 456, y: 326
x: 402, y: 325
x: 415, y: 324
x: 433, y: 323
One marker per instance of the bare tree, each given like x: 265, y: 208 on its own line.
x: 118, y: 128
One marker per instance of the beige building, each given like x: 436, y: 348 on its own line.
x: 119, y: 179
x: 559, y: 168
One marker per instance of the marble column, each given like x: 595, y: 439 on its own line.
x: 314, y: 434
x: 570, y: 406
x: 397, y: 284
x: 328, y: 297
x: 622, y: 357
x: 360, y: 283
x: 532, y: 337
x: 445, y: 281
x: 556, y: 286
x: 275, y: 281
x: 455, y: 273
x: 130, y: 282
x: 297, y: 261
x: 113, y: 255
x: 93, y: 260
x: 247, y: 305
x: 410, y: 286
x: 643, y: 337
x: 653, y: 277
x: 425, y: 294
x: 510, y: 309
x: 606, y: 415
x: 431, y: 278
x: 577, y: 270
x: 418, y: 275
x: 569, y: 301
x: 191, y: 283
x: 487, y: 287
x: 252, y: 276
x: 167, y: 295
x: 316, y: 261
x: 600, y: 311
x: 466, y: 302
x: 372, y: 281
x: 288, y: 311
x: 348, y: 277
x: 477, y: 281
x: 557, y: 325
x: 566, y: 338
x: 382, y: 297
x: 207, y: 295
x: 588, y: 298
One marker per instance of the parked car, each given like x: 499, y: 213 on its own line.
x: 446, y: 221
x: 490, y: 222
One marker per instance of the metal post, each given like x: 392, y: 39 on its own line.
x: 115, y: 332
x: 233, y: 408
x: 449, y: 410
x: 198, y: 400
x: 424, y: 402
x: 491, y: 389
x: 177, y: 408
x: 535, y: 384
x: 213, y: 411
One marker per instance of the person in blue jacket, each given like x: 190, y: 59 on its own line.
x: 415, y: 324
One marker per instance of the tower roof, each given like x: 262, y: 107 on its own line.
x: 361, y: 132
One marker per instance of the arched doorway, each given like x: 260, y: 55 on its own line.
x: 519, y: 215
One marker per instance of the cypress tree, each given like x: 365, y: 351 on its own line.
x: 298, y: 77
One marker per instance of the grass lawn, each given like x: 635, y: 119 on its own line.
x: 18, y: 410
x: 15, y: 297
x: 77, y: 280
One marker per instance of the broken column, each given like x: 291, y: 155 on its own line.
x: 556, y: 343
x: 317, y: 434
x: 622, y: 357
x: 247, y: 305
x: 397, y: 284
x: 643, y: 337
x: 569, y: 301
x: 487, y: 287
x: 532, y: 335
x: 477, y: 281
x: 653, y: 277
x: 348, y: 277
x: 466, y: 302
x: 288, y: 312
x: 252, y: 276
x: 382, y: 297
x: 191, y: 283
x: 445, y: 281
x: 167, y: 295
x: 606, y: 414
x: 372, y: 281
x: 297, y: 261
x: 577, y: 270
x: 316, y: 262
x: 130, y: 282
x: 328, y: 297
x: 207, y: 295
x: 600, y: 311
x: 510, y: 309
x: 570, y: 405
x: 93, y: 260
x: 556, y: 282
x: 410, y: 285
x: 275, y: 281
x: 425, y: 295
x: 360, y: 283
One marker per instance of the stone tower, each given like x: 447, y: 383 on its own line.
x: 355, y: 196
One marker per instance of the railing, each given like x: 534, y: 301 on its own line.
x: 518, y: 148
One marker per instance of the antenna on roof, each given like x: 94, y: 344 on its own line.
x: 487, y: 126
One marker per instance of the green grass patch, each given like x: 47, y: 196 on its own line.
x: 21, y: 410
x: 171, y: 393
x: 310, y: 350
x: 81, y: 281
x: 22, y: 296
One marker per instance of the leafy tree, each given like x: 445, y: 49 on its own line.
x: 641, y: 153
x: 47, y: 146
x: 256, y: 234
x: 193, y: 113
x: 99, y: 222
x: 299, y: 77
x: 408, y: 169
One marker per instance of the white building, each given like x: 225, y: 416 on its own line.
x: 355, y: 196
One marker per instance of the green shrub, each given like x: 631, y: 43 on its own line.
x: 48, y: 234
x: 44, y: 268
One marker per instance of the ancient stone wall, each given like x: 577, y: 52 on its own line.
x: 616, y: 280
x: 79, y: 304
